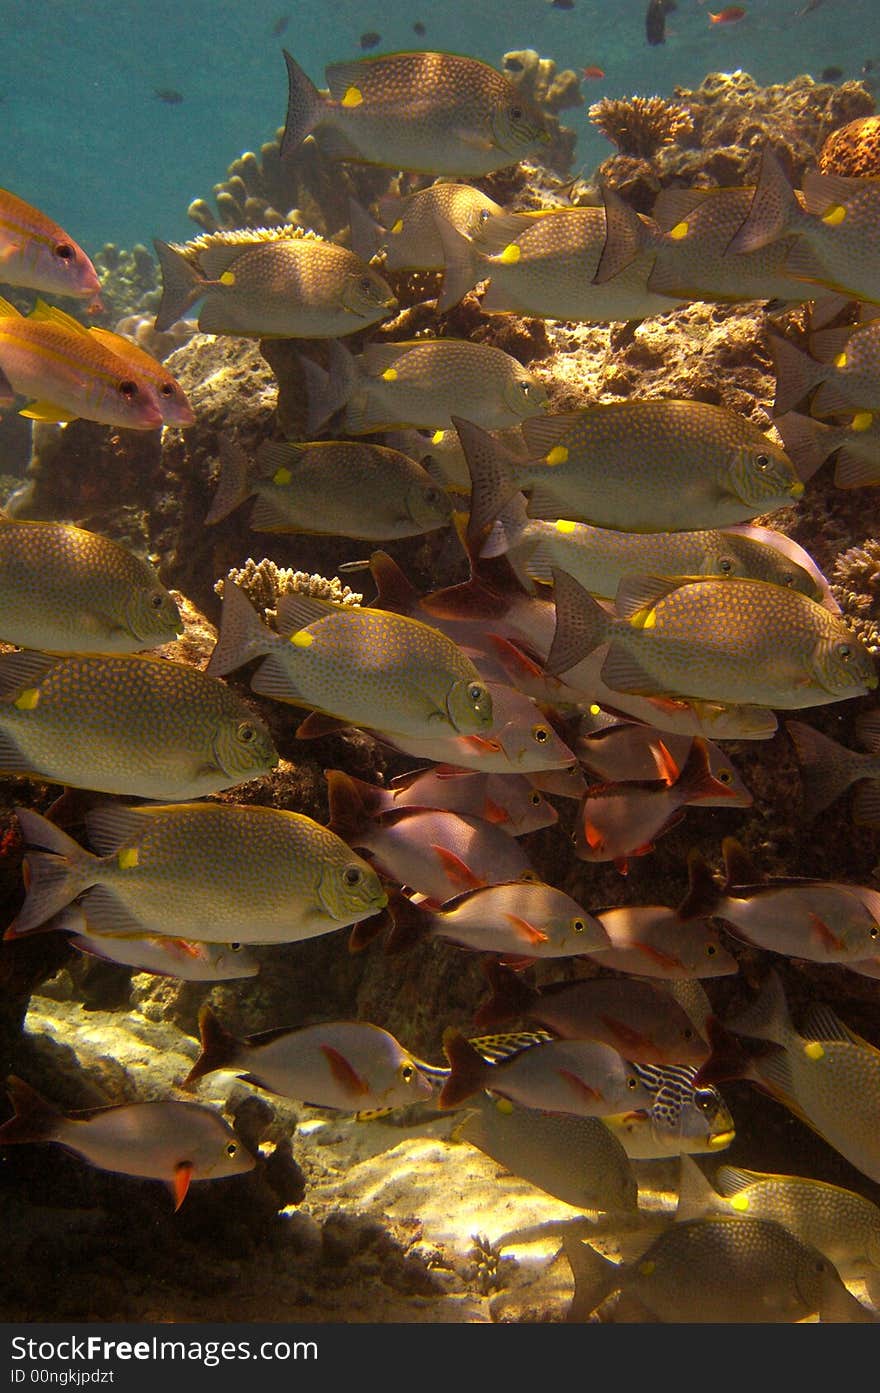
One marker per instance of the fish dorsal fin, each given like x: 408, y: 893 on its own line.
x: 823, y: 191
x: 377, y: 357
x: 542, y: 433
x: 394, y: 591
x: 673, y: 206
x: 297, y: 610
x: 638, y: 594
x: 739, y: 869
x: 730, y: 1180
x: 8, y: 310
x: 821, y: 1023
x: 343, y: 77
x: 826, y: 344
x: 24, y: 669
x: 50, y: 314
x: 111, y: 825
x: 217, y: 259
x: 696, y: 1197
x: 279, y: 454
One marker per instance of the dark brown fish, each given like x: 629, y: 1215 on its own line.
x: 280, y: 25
x: 369, y: 39
x: 168, y: 94
x: 655, y: 20
x: 419, y: 28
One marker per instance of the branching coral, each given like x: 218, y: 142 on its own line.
x: 640, y: 126
x: 263, y: 582
x: 856, y: 587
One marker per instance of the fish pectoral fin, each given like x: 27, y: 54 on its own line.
x: 579, y: 1087
x: 459, y: 873
x: 47, y: 411
x: 180, y: 1184
x: 525, y: 929
x: 474, y: 140
x: 826, y: 935
x: 345, y: 1074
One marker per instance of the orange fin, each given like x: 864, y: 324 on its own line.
x: 458, y: 871
x: 344, y: 1073
x: 827, y: 936
x: 528, y: 931
x: 629, y: 1038
x: 667, y: 768
x: 180, y: 1184
x: 583, y: 1090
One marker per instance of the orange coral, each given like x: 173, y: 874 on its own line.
x: 853, y: 150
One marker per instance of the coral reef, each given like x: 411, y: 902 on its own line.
x: 853, y: 150
x: 141, y: 329
x: 553, y: 92
x: 639, y: 126
x: 856, y: 587
x: 129, y: 283
x: 263, y: 582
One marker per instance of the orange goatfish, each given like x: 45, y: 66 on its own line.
x: 35, y: 252
x: 174, y: 1142
x: 731, y: 15
x: 65, y: 372
x: 176, y: 410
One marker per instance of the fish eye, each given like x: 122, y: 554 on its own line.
x: 710, y: 950
x: 127, y: 389
x: 516, y: 113
x: 525, y: 388
x: 725, y: 565
x: 407, y: 1073
x: 475, y: 692
x: 246, y: 732
x: 166, y: 389
x: 157, y: 600
x: 844, y: 651
x: 352, y: 875
x: 687, y: 1033
x: 235, y: 947
x: 578, y: 925
x: 232, y: 1149
x: 541, y: 733
x: 536, y: 799
x: 873, y: 931
x: 366, y: 284
x: 820, y: 1265
x: 724, y: 776
x: 483, y: 215
x: 632, y: 1082
x: 432, y: 495
x: 64, y: 251
x: 704, y: 1099
x: 762, y: 461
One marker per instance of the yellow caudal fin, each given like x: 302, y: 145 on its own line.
x: 47, y: 411
x: 7, y: 310
x: 51, y: 315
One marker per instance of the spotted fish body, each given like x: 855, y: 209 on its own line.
x: 211, y: 872
x: 857, y: 444
x: 438, y: 113
x: 65, y: 372
x: 601, y: 465
x: 364, y: 666
x: 35, y: 252
x: 544, y: 265
x: 411, y: 240
x: 128, y: 724
x: 271, y: 283
x: 719, y: 640
x: 847, y: 373
x: 65, y: 590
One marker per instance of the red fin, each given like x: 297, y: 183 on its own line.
x: 510, y: 997
x: 366, y: 930
x: 468, y: 1069
x: 827, y: 936
x: 344, y: 1073
x: 592, y: 836
x: 517, y: 662
x: 657, y: 955
x: 621, y: 864
x: 471, y: 600
x: 482, y: 742
x: 393, y: 590
x: 529, y: 931
x: 629, y: 1039
x: 493, y: 812
x: 458, y: 872
x: 667, y: 768
x: 516, y: 964
x: 583, y: 1090
x: 180, y: 1184
x: 219, y: 1048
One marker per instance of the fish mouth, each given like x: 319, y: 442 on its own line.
x: 721, y: 1139
x: 796, y: 490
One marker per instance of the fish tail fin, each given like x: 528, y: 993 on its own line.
x: 54, y: 875
x: 219, y: 1048
x: 595, y: 1278
x: 461, y: 265
x: 581, y: 624
x: 507, y: 530
x: 739, y: 868
x: 765, y: 1018
x: 468, y: 1069
x: 182, y: 284
x: 233, y: 487
x: 774, y: 209
x: 730, y: 1058
x: 330, y: 390
x: 366, y: 235
x: 408, y: 924
x: 702, y: 894
x: 34, y: 1120
x: 625, y: 236
x: 349, y: 813
x: 796, y: 374
x: 511, y: 997
x: 493, y: 471
x: 807, y: 442
x: 827, y: 768
x: 305, y: 106
x: 696, y: 1197
x: 242, y: 634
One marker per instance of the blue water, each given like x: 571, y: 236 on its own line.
x: 87, y: 140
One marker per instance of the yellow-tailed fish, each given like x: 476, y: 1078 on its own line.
x: 38, y: 254
x: 65, y: 590
x: 168, y: 957
x: 825, y: 1074
x: 128, y: 724
x: 439, y: 113
x: 364, y: 666
x: 836, y: 228
x: 575, y: 1159
x: 828, y: 768
x: 683, y: 1118
x: 176, y: 1142
x: 173, y: 403
x: 544, y: 264
x: 340, y: 487
x: 214, y: 872
x: 638, y: 1018
x: 271, y: 283
x: 718, y: 1270
x: 582, y: 1077
x: 715, y: 640
x: 335, y: 1064
x: 842, y: 1224
x: 857, y: 445
x: 846, y: 373
x: 599, y: 465
x: 64, y: 372
x: 600, y: 557
x: 408, y: 233
x: 684, y: 244
x: 422, y: 383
